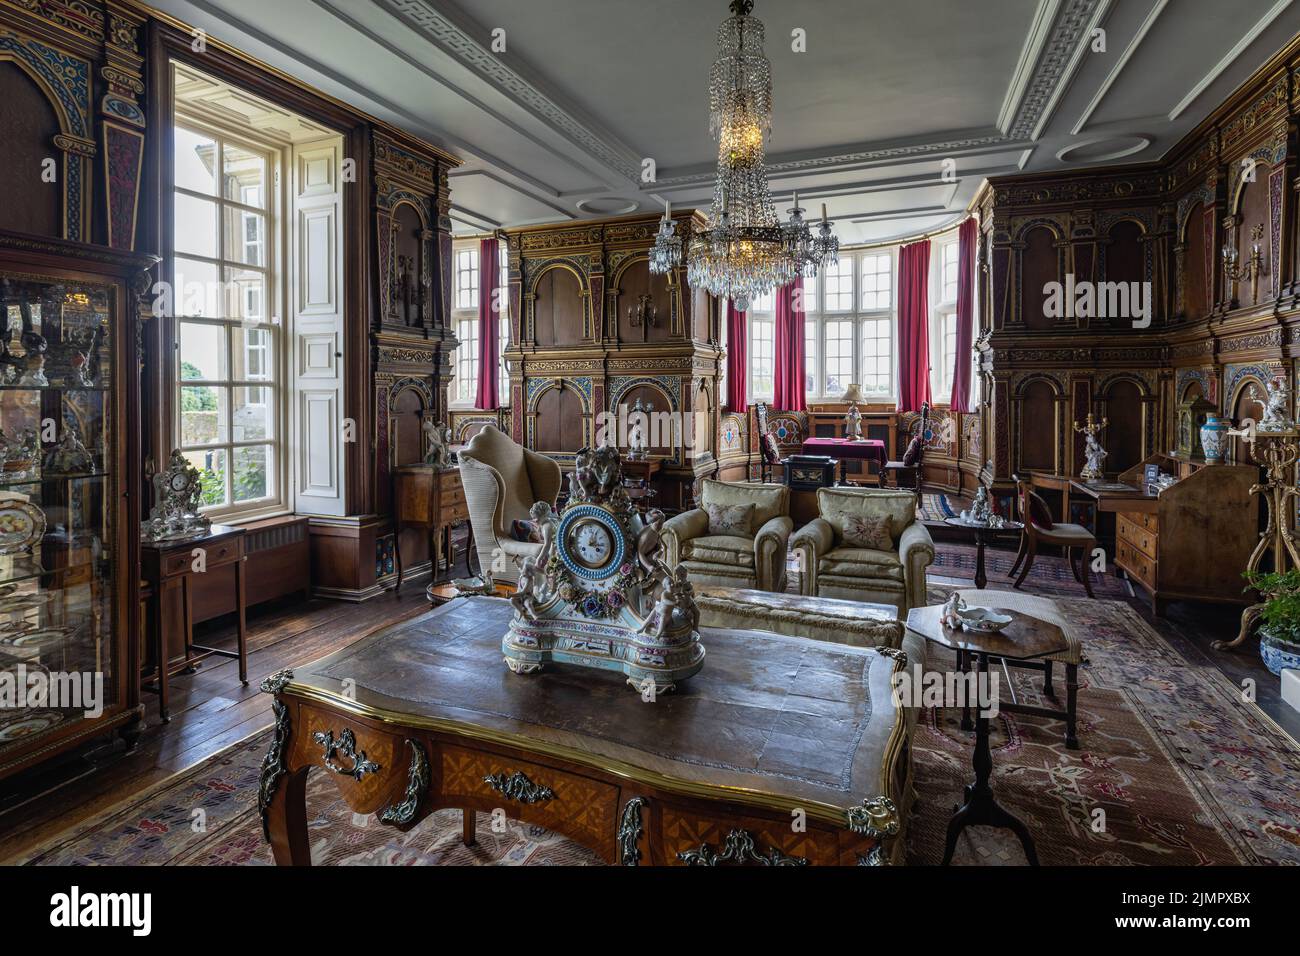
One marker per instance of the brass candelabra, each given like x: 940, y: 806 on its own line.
x: 1277, y: 452
x: 1251, y: 270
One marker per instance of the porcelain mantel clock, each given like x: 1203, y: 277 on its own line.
x: 598, y: 594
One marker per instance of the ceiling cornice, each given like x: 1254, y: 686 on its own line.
x: 451, y: 37
x: 1062, y: 49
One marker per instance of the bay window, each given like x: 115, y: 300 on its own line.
x: 849, y: 330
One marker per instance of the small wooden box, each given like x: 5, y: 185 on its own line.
x: 809, y: 472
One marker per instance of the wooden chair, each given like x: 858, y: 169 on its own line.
x: 908, y: 472
x: 768, y: 449
x: 1040, y: 530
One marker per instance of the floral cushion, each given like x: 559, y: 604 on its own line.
x: 866, y: 531
x: 730, y: 519
x: 834, y: 504
x: 523, y: 530
x: 769, y: 501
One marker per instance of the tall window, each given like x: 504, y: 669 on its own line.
x: 228, y: 333
x: 811, y: 339
x: 850, y: 326
x: 503, y: 323
x: 943, y: 327
x: 465, y: 312
x: 465, y: 364
x: 762, y: 347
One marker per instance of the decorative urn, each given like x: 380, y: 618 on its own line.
x: 1214, y: 438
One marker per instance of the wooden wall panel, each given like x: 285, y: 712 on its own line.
x: 1124, y: 254
x: 1039, y: 266
x: 557, y: 310
x: 1123, y: 409
x: 635, y: 282
x: 570, y: 290
x: 1038, y: 427
x: 559, y: 427
x: 1196, y: 302
x: 30, y: 125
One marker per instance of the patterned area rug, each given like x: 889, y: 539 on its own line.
x: 1182, y: 770
x: 934, y: 507
x: 1049, y: 575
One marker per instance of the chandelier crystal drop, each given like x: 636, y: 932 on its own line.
x: 666, y: 254
x: 745, y: 251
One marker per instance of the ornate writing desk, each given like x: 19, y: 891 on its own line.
x: 424, y: 715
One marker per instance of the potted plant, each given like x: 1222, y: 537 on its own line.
x: 1279, y: 630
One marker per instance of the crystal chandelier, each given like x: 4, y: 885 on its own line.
x: 745, y: 252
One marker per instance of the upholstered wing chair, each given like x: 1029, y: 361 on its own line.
x: 748, y: 554
x: 502, y: 482
x: 838, y: 561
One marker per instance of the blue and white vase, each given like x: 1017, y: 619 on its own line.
x: 1277, y: 652
x: 1214, y: 438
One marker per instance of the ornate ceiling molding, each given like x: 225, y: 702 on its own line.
x: 1070, y: 29
x: 449, y: 36
x: 943, y: 147
x: 1056, y: 63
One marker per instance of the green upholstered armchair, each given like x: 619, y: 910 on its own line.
x: 748, y: 557
x: 834, y: 568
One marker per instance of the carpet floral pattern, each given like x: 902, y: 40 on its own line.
x: 1175, y: 768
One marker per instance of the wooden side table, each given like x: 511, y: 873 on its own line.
x: 1025, y: 638
x: 169, y: 568
x: 982, y: 533
x: 429, y: 499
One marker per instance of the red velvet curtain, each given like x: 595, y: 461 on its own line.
x: 967, y: 236
x: 489, y: 325
x: 788, y: 388
x: 913, y: 326
x: 737, y: 359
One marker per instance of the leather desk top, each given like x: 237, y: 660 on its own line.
x: 795, y: 718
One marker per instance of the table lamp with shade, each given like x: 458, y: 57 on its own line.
x: 853, y: 417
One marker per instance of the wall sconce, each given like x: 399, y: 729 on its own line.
x: 643, y: 316
x: 1251, y: 270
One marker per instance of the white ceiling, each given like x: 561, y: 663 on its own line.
x: 892, y: 117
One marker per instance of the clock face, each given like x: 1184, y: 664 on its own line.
x: 180, y: 482
x: 591, y: 544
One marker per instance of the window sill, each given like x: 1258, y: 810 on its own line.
x: 238, y: 519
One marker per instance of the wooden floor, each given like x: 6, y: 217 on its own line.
x: 211, y: 710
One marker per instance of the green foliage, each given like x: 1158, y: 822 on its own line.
x: 250, y: 483
x: 213, y: 487
x: 250, y: 480
x: 196, y: 398
x: 1281, y: 591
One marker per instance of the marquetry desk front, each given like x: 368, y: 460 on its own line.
x: 781, y: 751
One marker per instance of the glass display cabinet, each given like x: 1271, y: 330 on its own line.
x: 69, y: 495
